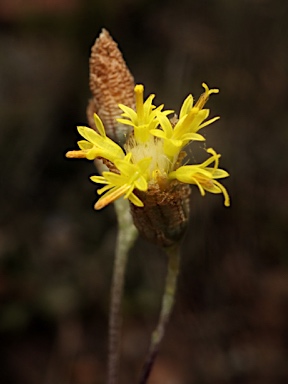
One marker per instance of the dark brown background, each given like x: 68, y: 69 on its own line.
x: 230, y: 323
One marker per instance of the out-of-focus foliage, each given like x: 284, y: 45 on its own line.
x: 56, y: 253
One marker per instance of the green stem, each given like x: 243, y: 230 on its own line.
x: 168, y: 298
x: 126, y: 237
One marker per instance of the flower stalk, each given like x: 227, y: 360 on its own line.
x: 126, y: 235
x: 168, y: 299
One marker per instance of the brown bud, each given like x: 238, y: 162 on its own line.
x: 111, y: 83
x: 164, y: 217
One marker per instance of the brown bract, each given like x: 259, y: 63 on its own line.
x: 111, y: 83
x: 164, y: 217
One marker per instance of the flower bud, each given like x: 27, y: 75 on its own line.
x: 111, y: 83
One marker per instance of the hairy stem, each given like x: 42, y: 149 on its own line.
x: 173, y: 254
x: 126, y: 237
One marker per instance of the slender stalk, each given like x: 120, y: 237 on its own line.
x: 126, y: 237
x: 168, y: 298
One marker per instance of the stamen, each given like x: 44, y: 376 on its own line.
x: 215, y: 157
x: 75, y: 155
x: 225, y: 193
x: 201, y: 189
x: 205, y: 96
x: 139, y: 90
x: 190, y: 117
x: 211, y: 159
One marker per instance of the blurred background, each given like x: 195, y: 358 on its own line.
x: 230, y: 322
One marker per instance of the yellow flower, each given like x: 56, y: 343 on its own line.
x: 204, y: 176
x: 144, y: 119
x: 96, y: 144
x: 189, y: 123
x: 130, y: 176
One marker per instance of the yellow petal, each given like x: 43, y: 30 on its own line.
x: 99, y: 125
x: 186, y: 106
x: 111, y: 196
x: 135, y: 200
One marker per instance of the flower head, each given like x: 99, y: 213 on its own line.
x: 151, y: 160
